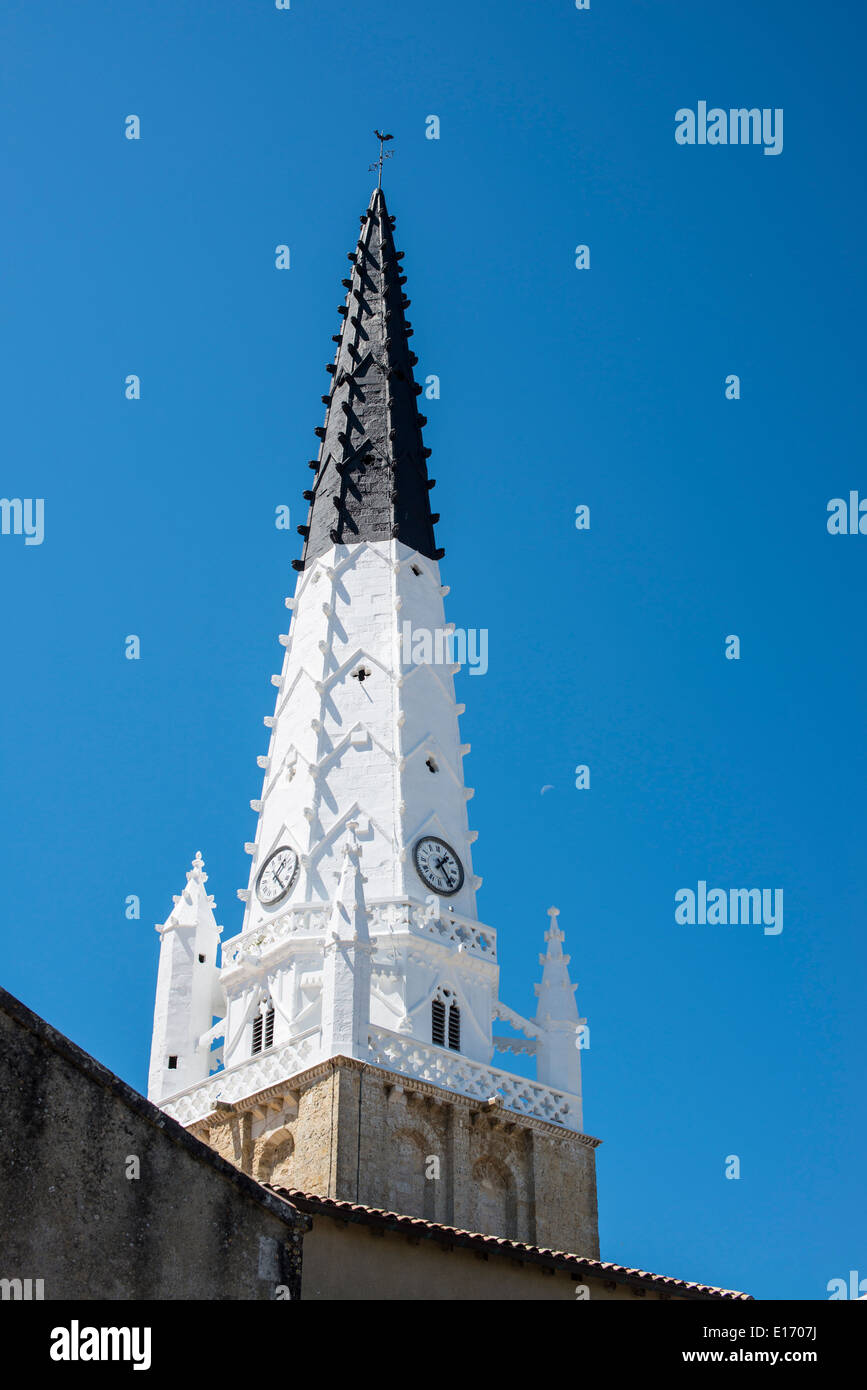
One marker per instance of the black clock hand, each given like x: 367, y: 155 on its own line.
x: 441, y: 865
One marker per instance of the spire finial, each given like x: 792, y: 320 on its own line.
x: 382, y: 156
x: 554, y: 934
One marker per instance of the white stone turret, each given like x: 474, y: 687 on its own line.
x: 188, y: 990
x: 558, y: 1057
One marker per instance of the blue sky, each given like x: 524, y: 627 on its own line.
x: 559, y: 387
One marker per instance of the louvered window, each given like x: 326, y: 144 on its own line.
x: 445, y: 1021
x: 263, y: 1029
x: 438, y: 1022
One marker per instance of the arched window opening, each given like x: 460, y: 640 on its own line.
x: 445, y: 1020
x: 263, y: 1029
x: 495, y: 1203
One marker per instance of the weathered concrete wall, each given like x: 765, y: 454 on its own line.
x: 360, y: 1134
x: 188, y: 1227
x: 343, y: 1260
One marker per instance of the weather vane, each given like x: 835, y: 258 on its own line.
x: 382, y: 156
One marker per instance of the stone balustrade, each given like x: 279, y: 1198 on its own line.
x: 454, y: 1072
x: 388, y: 917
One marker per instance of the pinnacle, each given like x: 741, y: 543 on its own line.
x: 194, y: 904
x: 352, y: 849
x: 349, y: 912
x: 556, y: 992
x: 198, y: 869
x: 554, y: 934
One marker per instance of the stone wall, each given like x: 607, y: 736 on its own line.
x: 74, y: 1214
x: 361, y: 1134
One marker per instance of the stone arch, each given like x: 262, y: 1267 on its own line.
x: 494, y: 1205
x: 277, y: 1159
x: 411, y: 1192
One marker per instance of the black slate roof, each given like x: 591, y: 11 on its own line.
x: 371, y: 480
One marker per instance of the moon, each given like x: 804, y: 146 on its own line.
x: 549, y: 788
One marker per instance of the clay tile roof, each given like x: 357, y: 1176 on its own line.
x: 312, y: 1205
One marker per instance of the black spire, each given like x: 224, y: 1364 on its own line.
x: 371, y: 477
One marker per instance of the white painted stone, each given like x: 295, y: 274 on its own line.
x: 558, y: 1058
x: 188, y: 990
x: 353, y: 956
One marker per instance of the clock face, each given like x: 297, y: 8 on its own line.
x: 277, y: 876
x: 438, y: 866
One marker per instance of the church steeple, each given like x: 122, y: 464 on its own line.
x: 357, y: 1008
x: 371, y: 480
x: 365, y: 730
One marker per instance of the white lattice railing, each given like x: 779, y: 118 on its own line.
x: 453, y: 1072
x: 307, y: 920
x: 387, y: 918
x: 393, y: 1052
x: 401, y: 915
x: 244, y: 1080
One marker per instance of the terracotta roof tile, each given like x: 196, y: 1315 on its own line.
x: 312, y: 1205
